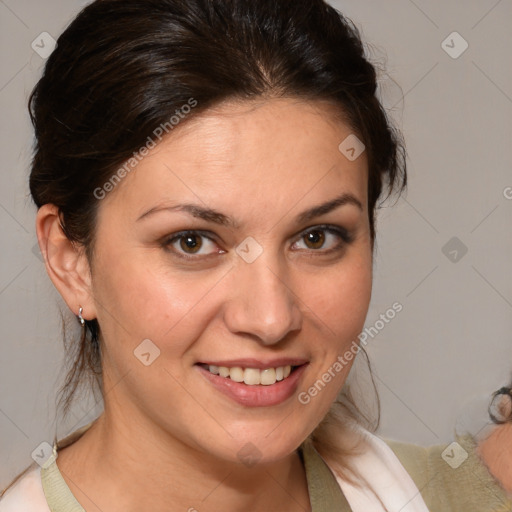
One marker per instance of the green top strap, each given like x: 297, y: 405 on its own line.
x: 324, y: 492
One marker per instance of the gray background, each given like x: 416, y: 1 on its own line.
x: 436, y: 362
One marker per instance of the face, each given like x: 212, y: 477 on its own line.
x: 248, y: 282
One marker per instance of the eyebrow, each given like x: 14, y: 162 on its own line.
x: 211, y: 215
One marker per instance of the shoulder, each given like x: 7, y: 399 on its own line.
x: 25, y: 494
x: 38, y: 486
x: 452, y: 475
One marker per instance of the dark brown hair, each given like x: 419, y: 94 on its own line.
x: 124, y: 67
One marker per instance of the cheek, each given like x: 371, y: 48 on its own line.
x: 342, y: 305
x: 340, y: 298
x: 138, y: 301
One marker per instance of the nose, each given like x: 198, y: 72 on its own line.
x: 263, y: 304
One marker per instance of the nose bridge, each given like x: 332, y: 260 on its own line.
x: 263, y: 303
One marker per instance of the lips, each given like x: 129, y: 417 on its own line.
x: 255, y: 383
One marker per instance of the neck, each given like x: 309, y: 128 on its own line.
x: 128, y: 466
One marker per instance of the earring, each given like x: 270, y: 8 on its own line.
x: 80, y: 317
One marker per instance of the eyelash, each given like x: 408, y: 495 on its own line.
x: 345, y: 239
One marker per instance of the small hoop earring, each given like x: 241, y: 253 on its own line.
x: 80, y: 317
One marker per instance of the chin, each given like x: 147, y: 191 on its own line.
x: 253, y: 447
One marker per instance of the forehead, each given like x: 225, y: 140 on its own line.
x: 257, y: 154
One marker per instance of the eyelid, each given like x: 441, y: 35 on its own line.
x: 345, y: 238
x: 344, y: 233
x: 170, y: 239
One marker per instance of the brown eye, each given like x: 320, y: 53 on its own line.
x: 190, y: 243
x: 314, y: 239
x: 193, y: 245
x: 324, y: 239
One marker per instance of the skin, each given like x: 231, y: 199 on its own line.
x: 496, y: 451
x: 167, y: 436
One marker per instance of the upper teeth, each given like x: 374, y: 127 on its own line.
x: 252, y: 376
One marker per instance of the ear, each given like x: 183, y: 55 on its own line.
x: 65, y: 262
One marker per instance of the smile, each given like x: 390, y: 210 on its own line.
x: 251, y: 376
x: 268, y: 385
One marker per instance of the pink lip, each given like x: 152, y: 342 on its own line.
x: 255, y: 396
x: 257, y: 363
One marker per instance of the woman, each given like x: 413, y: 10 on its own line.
x: 206, y: 175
